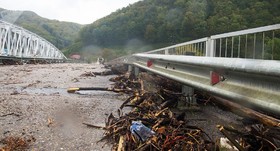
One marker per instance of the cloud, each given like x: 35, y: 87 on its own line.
x: 80, y: 11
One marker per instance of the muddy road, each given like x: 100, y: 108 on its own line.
x: 34, y: 103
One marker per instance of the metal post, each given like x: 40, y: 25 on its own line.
x: 273, y: 34
x: 221, y: 40
x: 166, y: 52
x: 136, y: 71
x: 195, y: 48
x: 189, y: 93
x: 263, y: 46
x: 130, y: 68
x: 232, y: 45
x: 9, y: 42
x: 191, y: 47
x: 254, y: 52
x: 226, y: 48
x: 239, y: 47
x: 210, y: 47
x: 200, y: 49
x: 246, y: 45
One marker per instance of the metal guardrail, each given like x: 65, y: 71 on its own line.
x: 218, y: 67
x: 18, y: 43
x: 255, y: 83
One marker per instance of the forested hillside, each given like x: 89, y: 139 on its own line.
x: 61, y: 34
x: 156, y: 23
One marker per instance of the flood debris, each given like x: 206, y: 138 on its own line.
x: 164, y: 129
x: 75, y: 89
x: 140, y: 131
x: 75, y: 80
x: 13, y: 113
x: 249, y: 113
x: 94, y: 74
x: 15, y: 92
x: 256, y: 137
x: 12, y: 143
x: 169, y: 130
x: 153, y: 125
x: 110, y: 70
x: 50, y: 122
x: 88, y: 74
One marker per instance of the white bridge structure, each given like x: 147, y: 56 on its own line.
x: 242, y: 66
x: 17, y: 43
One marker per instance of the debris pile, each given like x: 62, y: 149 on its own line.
x: 167, y: 129
x: 127, y: 82
x: 255, y: 137
x: 171, y: 131
x: 16, y: 143
x: 88, y: 74
x: 152, y: 125
x: 110, y: 70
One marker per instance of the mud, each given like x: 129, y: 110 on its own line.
x: 34, y: 102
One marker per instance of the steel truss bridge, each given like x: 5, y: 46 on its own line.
x: 242, y: 66
x: 20, y: 45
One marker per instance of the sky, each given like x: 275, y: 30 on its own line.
x: 78, y: 11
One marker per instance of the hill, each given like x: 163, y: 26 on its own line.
x: 150, y: 24
x: 61, y: 34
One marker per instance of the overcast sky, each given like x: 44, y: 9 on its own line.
x: 79, y: 11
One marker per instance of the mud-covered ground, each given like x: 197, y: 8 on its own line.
x: 34, y: 102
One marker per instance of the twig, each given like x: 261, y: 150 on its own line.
x: 15, y: 114
x: 232, y: 140
x: 94, y: 126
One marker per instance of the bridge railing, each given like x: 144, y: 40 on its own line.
x: 195, y: 48
x: 18, y: 42
x: 255, y: 43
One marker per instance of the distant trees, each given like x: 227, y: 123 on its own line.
x: 163, y: 22
x: 61, y: 34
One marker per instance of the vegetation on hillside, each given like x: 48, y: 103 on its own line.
x: 61, y: 34
x: 149, y: 24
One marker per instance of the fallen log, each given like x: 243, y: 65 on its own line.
x: 238, y: 109
x: 74, y: 89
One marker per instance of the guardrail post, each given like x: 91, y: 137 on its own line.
x: 188, y: 92
x: 166, y: 52
x: 129, y: 68
x: 136, y: 71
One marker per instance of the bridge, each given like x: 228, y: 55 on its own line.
x: 242, y: 66
x: 18, y: 44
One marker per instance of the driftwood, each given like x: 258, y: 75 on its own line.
x: 267, y: 120
x: 74, y: 89
x: 172, y: 130
x: 94, y: 126
x: 15, y: 114
x: 262, y: 132
x: 230, y: 138
x: 121, y: 146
